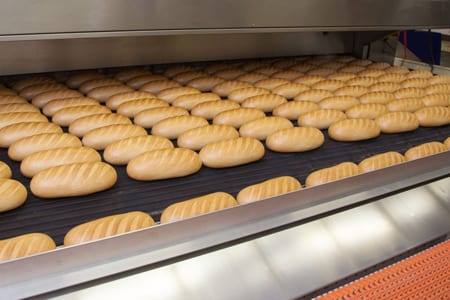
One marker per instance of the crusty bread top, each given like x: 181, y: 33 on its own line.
x: 269, y: 188
x: 205, y: 83
x: 5, y: 170
x: 21, y: 84
x: 425, y: 149
x: 25, y: 245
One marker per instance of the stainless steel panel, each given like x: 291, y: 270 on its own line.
x: 297, y: 261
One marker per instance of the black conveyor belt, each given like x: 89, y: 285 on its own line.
x: 56, y: 216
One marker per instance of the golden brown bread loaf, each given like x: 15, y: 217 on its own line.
x: 284, y: 64
x: 377, y: 97
x: 7, y: 92
x: 15, y: 132
x: 341, y: 103
x: 19, y: 117
x: 269, y: 188
x: 415, y: 83
x: 174, y: 70
x: 25, y: 245
x: 75, y: 81
x: 42, y: 99
x: 397, y: 70
x: 122, y: 151
x: 5, y: 170
x: 296, y: 139
x: 339, y: 171
x: 157, y: 86
x: 101, y: 137
x: 229, y: 74
x: 265, y: 103
x: 360, y: 62
x: 392, y: 77
x: 164, y: 164
x: 210, y: 109
x: 185, y: 77
x: 405, y: 104
x: 41, y: 160
x: 189, y: 101
x: 396, y: 122
x: 380, y: 161
x: 225, y: 88
x: 366, y: 111
x: 170, y: 94
x: 205, y: 83
x: 290, y: 90
x: 350, y: 130
x: 293, y: 109
x: 108, y: 226
x: 313, y: 95
x: 172, y: 127
x: 103, y: 93
x: 436, y: 100
x: 333, y: 65
x: 371, y: 73
x: 129, y: 74
x: 73, y: 180
x: 320, y: 118
x: 89, y: 85
x: 14, y: 194
x: 351, y: 90
x: 270, y: 83
x: 447, y: 142
x: 387, y: 87
x: 21, y: 84
x: 22, y: 148
x: 197, y: 138
x: 438, y: 89
x: 433, y: 116
x: 252, y: 77
x: 232, y: 152
x: 53, y: 106
x: 197, y: 206
x: 419, y: 74
x: 328, y: 84
x: 34, y: 90
x: 237, y: 117
x: 342, y: 76
x: 378, y: 65
x: 439, y: 79
x: 114, y: 101
x: 309, y: 79
x: 302, y: 67
x: 409, y: 92
x: 267, y: 70
x: 253, y: 65
x: 137, y: 82
x: 425, y: 149
x: 287, y: 74
x: 361, y: 81
x: 263, y: 127
x: 65, y: 116
x: 320, y: 71
x: 17, y: 107
x: 133, y: 107
x: 149, y: 117
x: 240, y: 95
x: 10, y: 99
x: 83, y: 125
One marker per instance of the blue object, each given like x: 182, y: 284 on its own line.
x: 426, y: 45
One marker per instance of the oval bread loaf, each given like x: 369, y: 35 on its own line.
x: 339, y: 171
x: 164, y: 164
x: 14, y: 194
x: 114, y: 101
x: 41, y: 160
x: 19, y: 117
x: 288, y: 75
x: 252, y: 77
x: 380, y: 161
x: 42, y: 99
x: 126, y: 75
x: 341, y: 103
x: 139, y: 81
x: 419, y: 74
x: 205, y: 83
x: 108, y: 226
x: 293, y: 109
x: 185, y: 77
x: 343, y: 76
x: 240, y: 95
x: 386, y: 87
x: 225, y: 88
x: 269, y: 188
x: 377, y: 97
x: 33, y: 90
x: 133, y: 107
x: 101, y: 137
x: 392, y: 77
x: 313, y: 95
x: 232, y: 152
x: 366, y: 111
x: 396, y: 122
x: 270, y: 83
x: 350, y: 130
x: 199, y: 137
x: 433, y: 116
x: 328, y: 84
x: 409, y: 93
x: 447, y: 142
x: 425, y: 149
x: 169, y: 95
x: 29, y: 81
x: 157, y: 86
x: 17, y: 107
x: 191, y: 100
x: 290, y: 90
x: 296, y: 139
x: 172, y: 127
x: 361, y: 81
x: 5, y: 170
x: 237, y: 117
x: 75, y: 81
x: 122, y: 151
x: 25, y: 245
x: 321, y: 118
x: 65, y: 116
x: 81, y: 126
x: 149, y: 117
x: 35, y: 143
x: 439, y: 79
x: 266, y: 103
x: 15, y: 132
x: 53, y: 106
x: 436, y: 100
x: 103, y: 93
x: 89, y: 85
x: 197, y: 206
x: 7, y: 92
x: 415, y: 83
x: 352, y: 91
x: 210, y: 109
x: 73, y: 180
x: 10, y: 99
x: 267, y: 70
x: 263, y: 127
x: 174, y: 70
x: 405, y: 104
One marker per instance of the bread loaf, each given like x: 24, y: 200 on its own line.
x: 380, y: 161
x: 377, y: 97
x: 419, y: 74
x: 415, y: 83
x: 351, y: 130
x: 170, y: 94
x: 433, y: 116
x: 371, y: 73
x: 189, y: 101
x: 309, y: 80
x: 269, y: 188
x: 353, y: 70
x: 129, y: 74
x: 75, y: 81
x: 7, y: 92
x: 328, y: 84
x: 174, y: 70
x: 237, y: 117
x: 229, y: 74
x: 114, y: 101
x: 438, y: 89
x: 265, y: 103
x: 197, y: 206
x: 139, y: 81
x: 267, y: 70
x: 425, y: 149
x: 17, y: 107
x: 33, y: 90
x: 361, y: 81
x: 42, y: 99
x: 392, y: 77
x: 341, y: 103
x: 240, y: 95
x: 321, y: 118
x: 361, y: 62
x: 199, y: 137
x: 263, y: 127
x: 15, y: 132
x: 352, y: 91
x: 293, y: 109
x: 232, y: 152
x: 321, y: 71
x: 185, y: 77
x: 378, y: 65
x: 172, y: 127
x: 253, y: 65
x: 157, y: 86
x: 333, y: 65
x: 439, y: 79
x: 55, y: 105
x: 366, y: 111
x: 149, y: 117
x: 313, y: 95
x: 83, y: 125
x: 108, y: 226
x: 209, y: 110
x: 387, y: 87
x: 14, y: 194
x: 339, y: 171
x: 164, y: 164
x: 252, y: 77
x: 89, y: 85
x: 397, y: 70
x: 447, y: 142
x: 342, y: 76
x: 133, y: 107
x: 5, y: 170
x: 409, y: 92
x: 65, y: 116
x: 122, y: 151
x: 101, y: 137
x: 287, y: 74
x: 11, y: 118
x: 296, y: 139
x: 205, y: 83
x: 29, y: 145
x: 405, y: 104
x: 436, y: 100
x: 21, y: 84
x: 290, y: 90
x: 302, y: 67
x: 11, y: 99
x: 225, y: 88
x: 25, y: 245
x: 103, y: 93
x: 396, y: 122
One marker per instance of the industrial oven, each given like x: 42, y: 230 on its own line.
x: 295, y: 245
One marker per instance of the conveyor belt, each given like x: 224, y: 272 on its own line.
x: 55, y: 217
